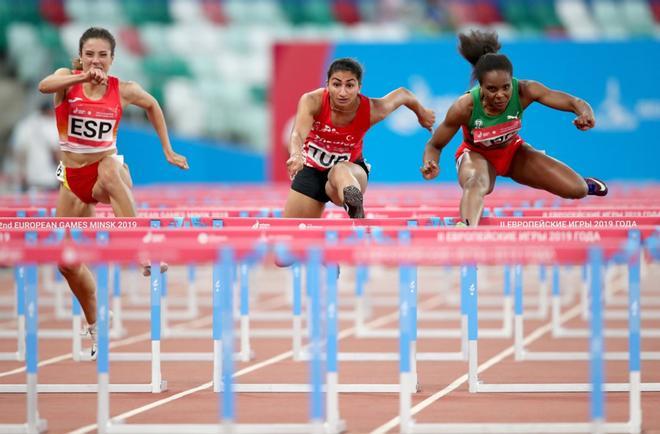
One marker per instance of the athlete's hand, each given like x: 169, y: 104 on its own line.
x: 177, y: 160
x: 295, y: 164
x: 426, y: 119
x: 584, y: 122
x: 96, y: 76
x: 430, y: 169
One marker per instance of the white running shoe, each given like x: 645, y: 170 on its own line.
x: 93, y: 335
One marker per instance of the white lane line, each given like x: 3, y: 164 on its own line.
x: 535, y: 335
x: 12, y: 321
x: 131, y: 340
x: 432, y: 302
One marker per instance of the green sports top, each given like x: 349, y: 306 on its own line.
x: 484, y: 130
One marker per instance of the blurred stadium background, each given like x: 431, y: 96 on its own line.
x: 229, y: 72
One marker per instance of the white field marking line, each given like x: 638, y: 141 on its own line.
x: 133, y: 339
x: 432, y: 302
x: 12, y: 321
x: 536, y: 334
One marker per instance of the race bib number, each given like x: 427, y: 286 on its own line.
x: 98, y: 130
x: 497, y: 134
x: 59, y: 172
x: 496, y: 141
x: 324, y: 158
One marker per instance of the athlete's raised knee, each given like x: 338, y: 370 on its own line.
x: 109, y: 174
x: 476, y: 183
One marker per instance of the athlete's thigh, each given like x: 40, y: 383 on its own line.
x: 69, y: 205
x: 475, y: 166
x: 300, y: 206
x: 110, y: 163
x: 536, y: 169
x: 357, y: 172
x: 125, y: 174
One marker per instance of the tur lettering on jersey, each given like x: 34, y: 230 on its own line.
x: 323, y: 157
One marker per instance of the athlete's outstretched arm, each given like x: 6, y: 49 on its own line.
x: 457, y: 115
x: 309, y: 104
x: 60, y: 80
x: 132, y: 93
x: 382, y: 107
x: 535, y: 91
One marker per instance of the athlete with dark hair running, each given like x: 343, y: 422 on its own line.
x: 490, y: 115
x: 88, y: 108
x: 326, y: 161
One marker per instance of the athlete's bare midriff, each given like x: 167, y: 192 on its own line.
x: 76, y: 160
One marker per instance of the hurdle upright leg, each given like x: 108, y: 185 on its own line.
x: 469, y: 273
x: 297, y: 309
x: 217, y: 328
x: 597, y: 343
x: 226, y: 306
x: 34, y: 424
x: 246, y: 350
x: 518, y: 330
x: 76, y: 328
x: 405, y: 375
x: 634, y: 345
x: 332, y: 396
x: 19, y: 273
x: 102, y: 356
x: 314, y: 320
x: 117, y: 318
x: 156, y: 280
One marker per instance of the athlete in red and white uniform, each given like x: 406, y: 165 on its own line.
x: 327, y: 144
x: 88, y: 108
x: 326, y: 161
x: 87, y: 126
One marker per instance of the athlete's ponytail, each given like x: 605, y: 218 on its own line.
x: 480, y: 48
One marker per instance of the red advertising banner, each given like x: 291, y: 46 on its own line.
x: 297, y: 68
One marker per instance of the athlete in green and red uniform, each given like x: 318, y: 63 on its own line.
x: 490, y: 115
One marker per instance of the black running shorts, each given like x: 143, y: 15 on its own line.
x: 311, y: 182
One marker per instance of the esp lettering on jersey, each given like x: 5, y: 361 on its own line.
x: 98, y: 130
x: 89, y: 125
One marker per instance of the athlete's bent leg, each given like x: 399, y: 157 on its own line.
x: 477, y: 178
x: 346, y: 185
x: 81, y: 282
x: 114, y: 186
x: 78, y: 277
x: 538, y: 170
x: 300, y: 206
